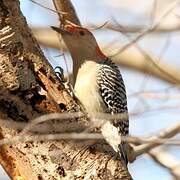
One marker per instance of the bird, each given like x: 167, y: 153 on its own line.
x: 98, y: 84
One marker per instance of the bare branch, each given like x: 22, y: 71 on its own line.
x: 129, y: 59
x: 138, y: 62
x: 69, y: 12
x: 149, y: 30
x: 49, y: 137
x: 166, y: 160
x: 146, y: 56
x: 167, y: 133
x: 135, y: 29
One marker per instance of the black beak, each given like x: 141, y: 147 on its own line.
x: 60, y: 30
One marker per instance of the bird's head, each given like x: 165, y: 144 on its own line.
x: 81, y: 42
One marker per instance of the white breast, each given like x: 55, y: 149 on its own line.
x: 87, y: 91
x: 86, y: 88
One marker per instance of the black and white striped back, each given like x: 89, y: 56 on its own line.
x: 113, y: 92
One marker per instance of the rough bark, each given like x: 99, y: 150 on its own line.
x: 30, y: 88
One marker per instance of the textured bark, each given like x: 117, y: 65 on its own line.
x: 29, y: 88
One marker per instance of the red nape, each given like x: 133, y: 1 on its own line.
x: 75, y: 28
x: 100, y: 53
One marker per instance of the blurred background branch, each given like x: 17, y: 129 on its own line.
x: 134, y: 60
x: 167, y: 161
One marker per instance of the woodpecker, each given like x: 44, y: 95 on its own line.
x: 99, y: 85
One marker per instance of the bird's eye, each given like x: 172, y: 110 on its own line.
x: 81, y: 33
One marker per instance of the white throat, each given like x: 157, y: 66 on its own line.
x: 86, y: 86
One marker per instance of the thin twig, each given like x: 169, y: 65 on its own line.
x: 151, y: 143
x: 167, y: 161
x: 149, y: 30
x: 167, y: 133
x: 41, y: 5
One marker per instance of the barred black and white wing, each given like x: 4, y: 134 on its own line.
x: 113, y: 93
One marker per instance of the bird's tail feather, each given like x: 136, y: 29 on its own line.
x: 122, y: 152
